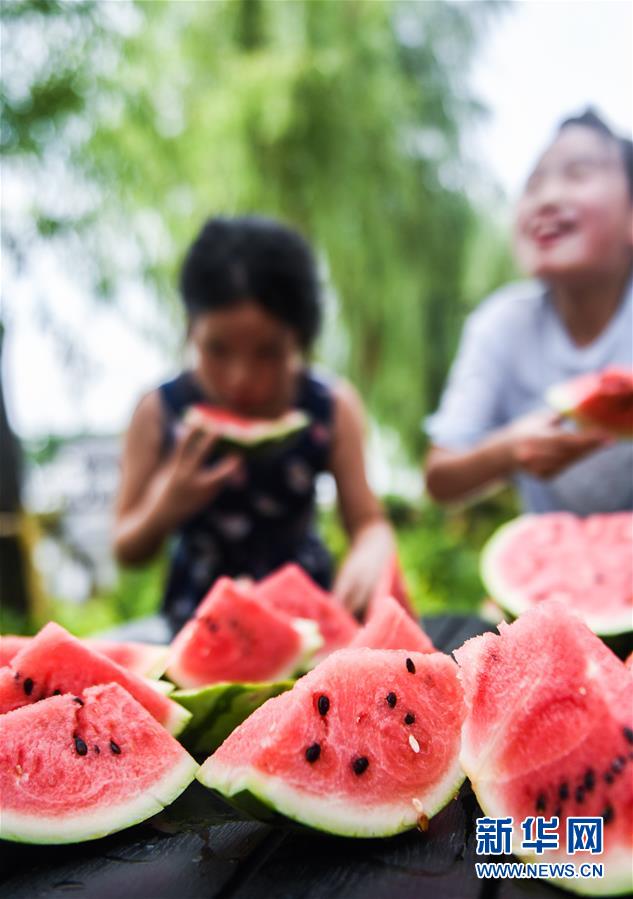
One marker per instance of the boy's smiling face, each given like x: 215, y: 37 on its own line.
x: 575, y: 216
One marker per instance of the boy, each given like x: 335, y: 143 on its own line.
x: 574, y: 233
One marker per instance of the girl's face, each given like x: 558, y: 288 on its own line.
x: 575, y: 216
x: 246, y: 359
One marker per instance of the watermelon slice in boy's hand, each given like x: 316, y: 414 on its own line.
x: 237, y: 432
x: 602, y: 400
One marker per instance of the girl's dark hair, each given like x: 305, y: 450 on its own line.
x: 253, y: 258
x: 590, y: 119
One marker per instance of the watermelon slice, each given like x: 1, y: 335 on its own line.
x: 365, y: 745
x: 218, y: 709
x: 549, y: 731
x: 236, y: 637
x: 236, y: 432
x: 56, y: 662
x: 291, y: 590
x: 143, y: 659
x: 78, y: 768
x: 392, y: 583
x: 599, y: 400
x: 585, y: 562
x: 389, y: 627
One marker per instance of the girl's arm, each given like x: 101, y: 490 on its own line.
x: 156, y: 495
x: 371, y: 537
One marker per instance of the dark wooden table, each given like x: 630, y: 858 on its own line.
x: 201, y: 848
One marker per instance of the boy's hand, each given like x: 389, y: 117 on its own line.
x: 539, y: 446
x: 185, y: 484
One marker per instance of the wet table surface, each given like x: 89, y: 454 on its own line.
x: 201, y: 848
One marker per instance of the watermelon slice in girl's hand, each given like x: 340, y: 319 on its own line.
x: 56, y: 662
x: 237, y: 432
x: 291, y: 590
x: 144, y: 659
x: 391, y: 583
x: 390, y: 627
x: 365, y: 745
x: 602, y: 400
x: 549, y: 732
x: 234, y: 636
x: 76, y: 768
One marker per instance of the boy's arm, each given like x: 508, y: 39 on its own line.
x: 371, y: 538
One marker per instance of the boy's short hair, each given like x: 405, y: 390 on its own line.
x: 590, y: 119
x: 253, y: 258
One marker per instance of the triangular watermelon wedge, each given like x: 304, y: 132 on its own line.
x: 235, y: 636
x: 597, y: 400
x: 56, y: 662
x: 390, y: 627
x: 391, y: 583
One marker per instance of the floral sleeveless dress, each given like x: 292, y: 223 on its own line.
x: 257, y: 524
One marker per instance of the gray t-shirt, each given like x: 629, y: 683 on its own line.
x: 513, y: 347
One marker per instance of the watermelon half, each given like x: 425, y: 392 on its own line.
x: 75, y: 768
x: 585, y: 562
x: 291, y: 590
x: 56, y: 662
x: 144, y: 659
x: 365, y: 745
x: 549, y: 731
x: 236, y: 637
x: 390, y: 627
x: 600, y: 400
x: 237, y: 432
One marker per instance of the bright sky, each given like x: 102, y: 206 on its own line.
x: 542, y: 60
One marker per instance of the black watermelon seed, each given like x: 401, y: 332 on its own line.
x: 541, y: 802
x: 607, y: 814
x: 115, y: 749
x: 558, y: 812
x: 392, y: 700
x: 28, y: 686
x: 608, y: 777
x: 563, y: 791
x: 78, y: 700
x: 323, y: 705
x: 80, y: 746
x: 96, y: 749
x: 590, y: 779
x: 360, y: 764
x: 57, y: 692
x: 580, y: 794
x: 628, y: 734
x: 410, y: 666
x: 409, y: 718
x: 17, y: 675
x: 313, y: 752
x: 618, y: 764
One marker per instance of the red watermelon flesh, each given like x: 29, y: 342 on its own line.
x: 585, y: 562
x: 55, y: 661
x: 291, y: 590
x: 389, y: 627
x: 549, y: 731
x: 245, y: 432
x: 364, y: 745
x: 603, y: 399
x: 234, y: 636
x: 78, y: 768
x: 143, y: 659
x: 392, y: 583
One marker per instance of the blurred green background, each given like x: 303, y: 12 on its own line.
x: 126, y: 124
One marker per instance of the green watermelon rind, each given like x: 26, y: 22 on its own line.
x: 560, y: 397
x: 81, y: 827
x: 248, y: 787
x: 260, y: 435
x: 218, y: 709
x: 610, y: 885
x: 512, y: 600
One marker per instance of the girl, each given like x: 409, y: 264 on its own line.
x: 250, y: 291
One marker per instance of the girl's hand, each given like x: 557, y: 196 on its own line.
x: 362, y: 569
x: 184, y: 485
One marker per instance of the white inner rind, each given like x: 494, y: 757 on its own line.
x: 90, y: 825
x: 255, y: 432
x: 334, y: 814
x: 513, y: 599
